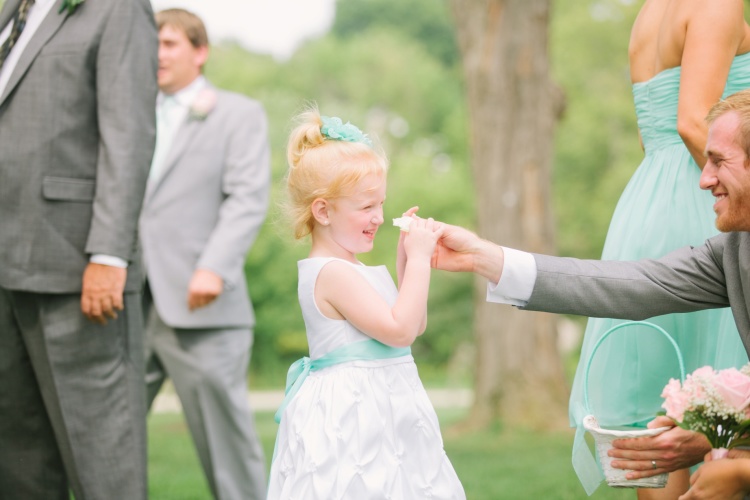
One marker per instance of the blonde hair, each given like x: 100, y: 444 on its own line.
x: 184, y: 21
x: 321, y: 167
x: 739, y: 103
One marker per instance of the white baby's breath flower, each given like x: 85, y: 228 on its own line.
x: 402, y: 223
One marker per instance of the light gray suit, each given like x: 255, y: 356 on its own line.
x: 716, y: 274
x: 204, y: 211
x: 76, y: 138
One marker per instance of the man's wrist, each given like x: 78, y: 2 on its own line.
x: 108, y: 260
x: 488, y: 261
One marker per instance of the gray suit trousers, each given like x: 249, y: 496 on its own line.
x: 72, y: 404
x: 208, y: 367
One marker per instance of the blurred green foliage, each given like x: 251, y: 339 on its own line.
x: 392, y: 67
x: 383, y: 77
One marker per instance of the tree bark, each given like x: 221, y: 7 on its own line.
x: 513, y: 106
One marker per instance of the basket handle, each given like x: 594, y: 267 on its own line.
x: 611, y: 331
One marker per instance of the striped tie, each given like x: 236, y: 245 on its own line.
x: 19, y: 23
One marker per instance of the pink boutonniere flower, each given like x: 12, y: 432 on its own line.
x: 203, y: 104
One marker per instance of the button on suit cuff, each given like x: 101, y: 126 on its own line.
x: 108, y: 260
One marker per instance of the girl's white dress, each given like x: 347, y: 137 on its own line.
x: 362, y: 429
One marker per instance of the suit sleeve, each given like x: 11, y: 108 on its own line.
x: 126, y: 95
x: 246, y: 185
x: 688, y: 279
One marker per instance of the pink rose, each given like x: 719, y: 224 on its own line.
x: 734, y: 388
x: 676, y: 401
x: 696, y: 382
x: 203, y: 103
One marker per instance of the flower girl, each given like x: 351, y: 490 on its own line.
x: 356, y: 422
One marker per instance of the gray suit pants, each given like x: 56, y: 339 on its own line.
x: 208, y: 368
x: 72, y: 404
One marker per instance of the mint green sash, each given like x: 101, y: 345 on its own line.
x: 366, y: 350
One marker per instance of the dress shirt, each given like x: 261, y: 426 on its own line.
x: 516, y: 281
x: 185, y: 96
x: 37, y: 13
x: 171, y: 111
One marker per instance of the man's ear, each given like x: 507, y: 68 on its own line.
x: 320, y: 208
x: 200, y: 56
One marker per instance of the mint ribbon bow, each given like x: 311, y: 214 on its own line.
x: 365, y: 350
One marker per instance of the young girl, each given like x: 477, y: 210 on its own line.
x: 356, y: 422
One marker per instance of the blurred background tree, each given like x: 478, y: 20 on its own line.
x: 513, y: 108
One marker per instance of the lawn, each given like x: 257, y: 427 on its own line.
x: 492, y: 465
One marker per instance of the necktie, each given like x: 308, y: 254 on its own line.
x: 165, y: 129
x: 19, y: 23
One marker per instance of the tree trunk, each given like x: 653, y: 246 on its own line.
x: 513, y: 106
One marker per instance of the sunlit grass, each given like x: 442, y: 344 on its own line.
x: 492, y: 465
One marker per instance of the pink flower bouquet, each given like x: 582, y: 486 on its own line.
x: 714, y: 403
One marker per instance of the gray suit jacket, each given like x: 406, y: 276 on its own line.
x: 77, y: 132
x: 716, y: 274
x: 205, y: 211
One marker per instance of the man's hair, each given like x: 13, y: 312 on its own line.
x: 739, y: 103
x: 185, y: 21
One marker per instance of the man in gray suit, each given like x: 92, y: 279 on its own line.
x: 714, y: 275
x: 205, y: 203
x: 76, y: 138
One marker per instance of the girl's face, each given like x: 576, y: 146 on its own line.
x: 354, y: 219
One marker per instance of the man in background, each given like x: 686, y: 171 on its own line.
x: 205, y: 203
x: 76, y: 138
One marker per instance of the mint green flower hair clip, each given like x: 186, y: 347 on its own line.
x: 334, y: 128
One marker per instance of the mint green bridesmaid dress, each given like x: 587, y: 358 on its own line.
x: 661, y: 209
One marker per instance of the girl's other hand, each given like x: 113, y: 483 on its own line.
x: 422, y: 237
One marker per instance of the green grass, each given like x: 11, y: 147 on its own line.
x: 492, y: 465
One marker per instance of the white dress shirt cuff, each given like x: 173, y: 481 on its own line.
x: 108, y: 260
x: 516, y: 281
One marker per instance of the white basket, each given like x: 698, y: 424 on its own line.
x: 616, y: 477
x: 603, y: 437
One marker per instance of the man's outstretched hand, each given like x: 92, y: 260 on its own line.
x: 460, y: 250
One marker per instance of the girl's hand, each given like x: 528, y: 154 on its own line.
x: 401, y: 251
x: 422, y: 237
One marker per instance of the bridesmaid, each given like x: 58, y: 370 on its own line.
x: 684, y: 56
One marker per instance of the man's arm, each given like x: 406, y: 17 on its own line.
x: 246, y: 185
x: 126, y: 93
x: 688, y: 279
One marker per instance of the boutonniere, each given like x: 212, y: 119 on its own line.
x: 203, y: 104
x: 70, y: 5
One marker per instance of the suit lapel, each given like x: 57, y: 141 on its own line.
x: 182, y: 140
x: 49, y: 27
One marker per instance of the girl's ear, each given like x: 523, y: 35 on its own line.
x: 320, y: 208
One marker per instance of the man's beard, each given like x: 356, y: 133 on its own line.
x: 737, y: 217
